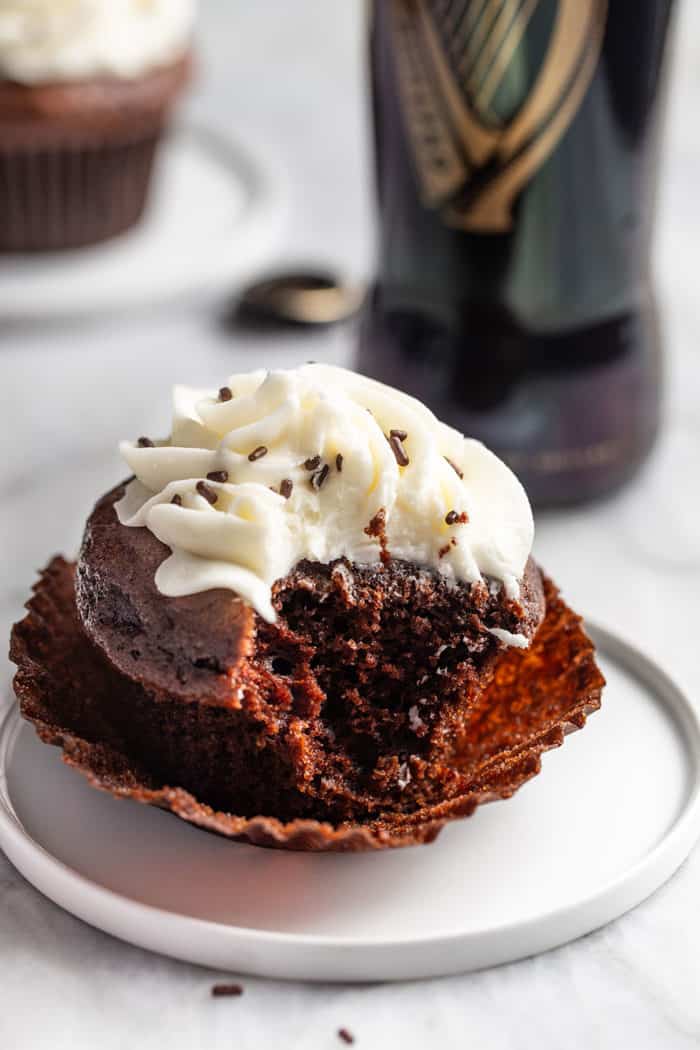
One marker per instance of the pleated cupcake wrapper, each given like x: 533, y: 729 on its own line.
x: 60, y: 196
x: 537, y: 696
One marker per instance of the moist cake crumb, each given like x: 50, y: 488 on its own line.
x: 220, y: 991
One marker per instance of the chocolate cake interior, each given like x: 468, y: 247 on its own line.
x: 347, y: 706
x: 379, y: 664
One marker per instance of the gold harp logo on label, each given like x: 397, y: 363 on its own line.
x: 479, y: 122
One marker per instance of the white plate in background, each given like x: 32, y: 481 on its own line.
x: 214, y: 219
x: 612, y: 815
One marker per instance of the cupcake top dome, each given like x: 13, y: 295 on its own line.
x: 43, y: 41
x: 319, y: 463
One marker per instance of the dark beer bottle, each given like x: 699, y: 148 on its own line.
x: 516, y: 155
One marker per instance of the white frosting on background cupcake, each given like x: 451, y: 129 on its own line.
x: 47, y: 40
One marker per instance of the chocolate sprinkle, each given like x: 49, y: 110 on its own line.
x: 398, y: 450
x: 218, y: 475
x: 219, y: 991
x: 320, y: 476
x: 208, y: 493
x: 312, y: 462
x: 286, y: 487
x: 345, y: 1036
x: 258, y: 453
x: 177, y: 500
x: 144, y: 442
x: 225, y: 393
x: 400, y: 434
x: 339, y: 462
x: 454, y: 466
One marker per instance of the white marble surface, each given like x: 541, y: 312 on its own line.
x: 289, y: 73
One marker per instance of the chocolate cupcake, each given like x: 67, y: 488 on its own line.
x: 296, y: 621
x: 86, y: 88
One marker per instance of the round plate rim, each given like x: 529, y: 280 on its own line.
x: 619, y: 895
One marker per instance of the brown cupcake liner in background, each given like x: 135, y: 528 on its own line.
x: 537, y: 697
x: 55, y: 197
x: 76, y: 157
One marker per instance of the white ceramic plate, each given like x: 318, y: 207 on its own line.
x: 214, y: 218
x: 612, y: 815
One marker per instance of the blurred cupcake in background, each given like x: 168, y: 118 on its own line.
x: 86, y: 88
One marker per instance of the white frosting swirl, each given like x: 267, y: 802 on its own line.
x: 252, y: 536
x: 48, y: 40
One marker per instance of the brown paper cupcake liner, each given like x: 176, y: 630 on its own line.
x: 60, y: 196
x: 536, y: 698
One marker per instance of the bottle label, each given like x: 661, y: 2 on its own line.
x: 488, y: 88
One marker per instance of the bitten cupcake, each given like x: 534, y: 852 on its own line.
x: 86, y: 87
x: 311, y: 619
